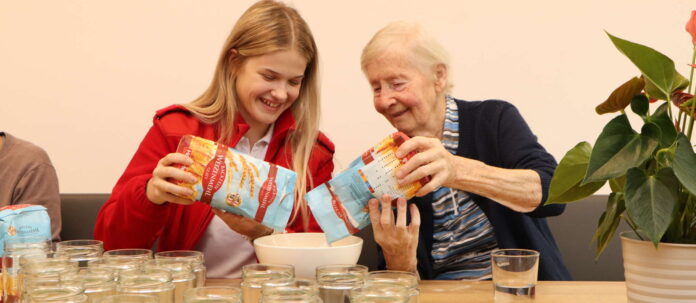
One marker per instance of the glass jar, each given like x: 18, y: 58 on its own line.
x: 196, y: 259
x: 130, y: 253
x: 380, y: 293
x: 66, y: 292
x: 81, y: 251
x: 254, y: 276
x: 336, y: 281
x: 298, y: 290
x: 127, y: 298
x: 117, y: 264
x: 155, y: 282
x: 182, y: 276
x: 405, y: 278
x: 97, y: 282
x: 14, y: 247
x: 220, y: 294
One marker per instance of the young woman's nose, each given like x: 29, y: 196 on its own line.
x: 279, y: 92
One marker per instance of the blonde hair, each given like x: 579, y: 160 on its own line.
x: 266, y: 27
x: 413, y: 42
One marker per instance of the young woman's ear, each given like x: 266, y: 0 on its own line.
x: 440, y: 71
x: 233, y: 53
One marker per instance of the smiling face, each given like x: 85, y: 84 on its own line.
x: 410, y: 99
x: 268, y: 85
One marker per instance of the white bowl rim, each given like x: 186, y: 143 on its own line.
x: 260, y: 244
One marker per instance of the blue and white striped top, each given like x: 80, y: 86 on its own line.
x: 463, y: 237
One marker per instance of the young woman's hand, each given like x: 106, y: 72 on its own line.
x: 243, y: 225
x: 398, y: 240
x: 160, y: 189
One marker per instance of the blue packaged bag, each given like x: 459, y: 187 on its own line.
x: 23, y: 220
x: 340, y: 205
x: 238, y: 183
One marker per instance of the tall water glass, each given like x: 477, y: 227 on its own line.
x: 405, y: 278
x: 299, y: 291
x: 127, y: 298
x: 97, y: 282
x: 515, y: 273
x: 220, y: 294
x: 254, y: 276
x: 336, y: 281
x: 182, y: 276
x: 81, y: 251
x: 380, y: 293
x: 193, y: 256
x: 14, y: 247
x: 154, y: 282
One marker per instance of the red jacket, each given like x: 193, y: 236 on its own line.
x: 129, y: 220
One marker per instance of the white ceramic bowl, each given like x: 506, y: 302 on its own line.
x: 306, y: 251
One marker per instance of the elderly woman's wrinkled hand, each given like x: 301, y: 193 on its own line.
x: 431, y: 159
x: 397, y: 239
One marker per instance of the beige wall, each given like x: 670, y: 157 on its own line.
x: 84, y: 78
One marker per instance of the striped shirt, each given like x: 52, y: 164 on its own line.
x: 463, y: 237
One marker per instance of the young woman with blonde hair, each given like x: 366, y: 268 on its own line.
x: 264, y: 101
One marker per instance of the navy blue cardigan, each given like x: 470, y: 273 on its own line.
x: 495, y: 133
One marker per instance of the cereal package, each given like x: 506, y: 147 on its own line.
x: 238, y: 183
x: 340, y: 205
x: 23, y: 220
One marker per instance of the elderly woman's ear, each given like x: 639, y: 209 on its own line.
x: 440, y: 71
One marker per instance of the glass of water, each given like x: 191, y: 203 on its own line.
x: 336, y: 281
x: 515, y: 272
x: 254, y: 276
x: 220, y: 294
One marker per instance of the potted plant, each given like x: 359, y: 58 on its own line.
x: 651, y: 172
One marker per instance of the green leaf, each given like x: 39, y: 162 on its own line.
x: 685, y: 164
x: 651, y: 200
x: 667, y: 130
x: 619, y: 148
x: 565, y: 185
x: 609, y: 221
x: 680, y: 83
x: 621, y: 96
x: 640, y: 105
x: 617, y: 184
x: 656, y: 67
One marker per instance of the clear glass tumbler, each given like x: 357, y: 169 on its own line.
x: 336, y: 281
x: 254, y: 276
x: 515, y: 273
x: 219, y: 294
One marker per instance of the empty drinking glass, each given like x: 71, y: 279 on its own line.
x: 515, y: 272
x: 336, y: 281
x: 220, y: 294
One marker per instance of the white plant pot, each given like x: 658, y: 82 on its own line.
x: 665, y: 274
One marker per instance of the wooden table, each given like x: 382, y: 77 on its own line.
x: 482, y: 291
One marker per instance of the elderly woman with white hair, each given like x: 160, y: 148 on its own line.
x: 488, y: 174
